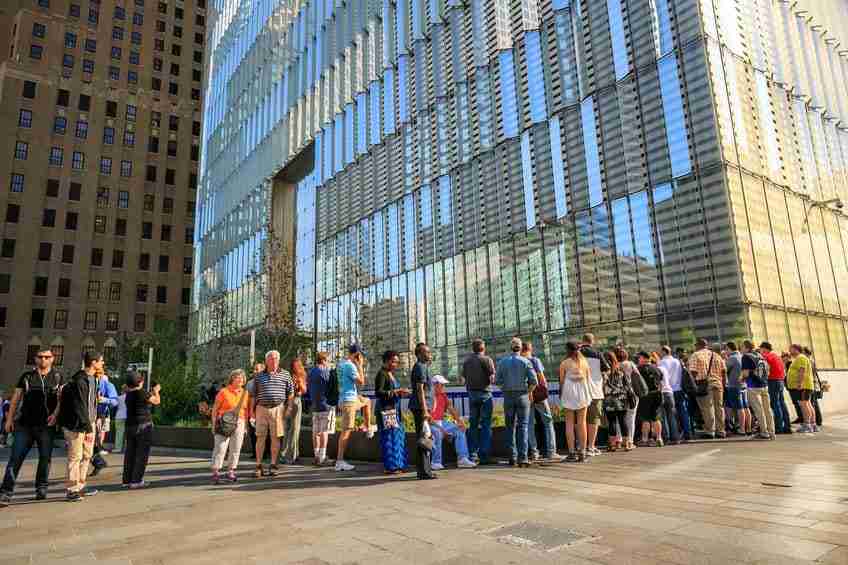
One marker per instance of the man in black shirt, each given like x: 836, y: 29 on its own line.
x: 478, y: 371
x: 77, y: 413
x: 31, y: 418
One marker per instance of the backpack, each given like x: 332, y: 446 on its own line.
x: 687, y: 381
x: 333, y: 388
x: 760, y: 374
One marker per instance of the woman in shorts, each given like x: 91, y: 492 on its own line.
x: 574, y: 396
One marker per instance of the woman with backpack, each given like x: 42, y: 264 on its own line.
x: 230, y: 413
x: 640, y: 389
x: 322, y: 407
x: 618, y: 397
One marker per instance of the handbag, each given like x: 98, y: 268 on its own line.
x: 702, y: 387
x: 540, y: 391
x: 227, y: 422
x: 390, y: 419
x: 425, y: 442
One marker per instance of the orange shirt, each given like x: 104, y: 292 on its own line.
x: 227, y: 400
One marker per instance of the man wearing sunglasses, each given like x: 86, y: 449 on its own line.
x: 32, y: 417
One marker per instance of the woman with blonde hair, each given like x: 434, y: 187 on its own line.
x: 230, y: 413
x: 575, y: 398
x: 291, y: 422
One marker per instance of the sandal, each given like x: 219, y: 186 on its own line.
x: 259, y: 472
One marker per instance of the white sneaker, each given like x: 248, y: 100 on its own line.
x: 465, y: 463
x: 437, y: 466
x: 344, y: 466
x: 370, y: 433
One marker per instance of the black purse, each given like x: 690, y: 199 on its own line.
x: 227, y: 422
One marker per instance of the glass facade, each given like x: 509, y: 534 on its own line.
x: 533, y: 167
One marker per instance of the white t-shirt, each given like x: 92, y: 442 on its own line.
x: 121, y: 413
x: 675, y: 372
x: 666, y: 385
x: 596, y: 380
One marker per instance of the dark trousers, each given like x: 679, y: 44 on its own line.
x: 778, y: 407
x: 139, y: 441
x: 25, y: 438
x: 681, y: 402
x: 617, y: 420
x: 422, y: 465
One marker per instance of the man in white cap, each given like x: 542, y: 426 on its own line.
x: 442, y: 428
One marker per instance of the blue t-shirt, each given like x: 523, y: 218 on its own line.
x: 317, y: 384
x: 420, y: 375
x: 347, y: 381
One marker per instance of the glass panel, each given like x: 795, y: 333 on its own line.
x: 559, y: 167
x: 590, y: 147
x: 618, y: 39
x: 535, y: 77
x: 527, y: 178
x: 675, y: 121
x: 509, y: 106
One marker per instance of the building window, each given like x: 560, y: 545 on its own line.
x: 116, y: 53
x: 74, y: 10
x: 102, y: 197
x: 155, y: 83
x: 160, y: 26
x: 60, y: 322
x: 121, y: 227
x: 60, y: 125
x: 150, y: 175
x: 147, y: 230
x: 35, y: 51
x: 149, y: 202
x: 57, y: 156
x: 126, y: 169
x: 81, y: 131
x: 75, y: 191
x: 141, y: 293
x: 158, y: 44
x: 153, y: 145
x: 68, y: 61
x: 78, y: 161
x: 190, y: 208
x: 123, y: 199
x: 173, y: 88
x: 172, y: 149
x: 132, y: 112
x: 135, y: 58
x: 96, y: 257
x: 111, y: 321
x: 64, y: 290
x: 170, y: 175
x: 108, y: 135
x: 63, y: 97
x: 135, y: 38
x: 16, y: 183
x: 140, y: 323
x: 111, y: 108
x: 84, y: 103
x: 186, y: 296
x: 8, y: 250
x: 39, y: 30
x: 198, y: 38
x: 165, y: 233
x: 120, y: 13
x: 144, y: 262
x: 187, y: 265
x: 167, y: 205
x: 129, y: 138
x: 114, y: 73
x: 175, y: 69
x: 87, y: 66
x: 198, y: 56
x: 176, y: 50
x: 94, y: 290
x: 32, y: 350
x: 117, y: 33
x: 90, y: 322
x: 40, y: 286
x: 138, y: 18
x: 28, y: 90
x: 91, y: 45
x: 162, y: 295
x: 71, y: 220
x: 70, y: 40
x: 25, y: 119
x: 178, y: 31
x: 48, y: 218
x: 189, y: 235
x: 99, y: 224
x: 196, y: 75
x: 53, y: 188
x: 132, y: 77
x: 21, y: 150
x: 13, y: 213
x: 115, y: 292
x: 45, y: 251
x: 5, y: 283
x: 105, y: 165
x: 117, y: 259
x: 157, y: 64
x: 164, y: 261
x: 192, y: 181
x: 67, y: 254
x: 36, y: 319
x: 199, y: 20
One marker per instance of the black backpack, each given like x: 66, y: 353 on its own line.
x: 760, y: 374
x: 333, y: 388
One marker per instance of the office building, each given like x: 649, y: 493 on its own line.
x: 647, y: 171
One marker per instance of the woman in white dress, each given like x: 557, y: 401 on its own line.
x: 574, y: 373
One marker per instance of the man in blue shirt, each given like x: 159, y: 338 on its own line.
x: 419, y: 404
x: 516, y: 378
x: 351, y: 373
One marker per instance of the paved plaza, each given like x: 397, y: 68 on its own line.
x: 711, y: 502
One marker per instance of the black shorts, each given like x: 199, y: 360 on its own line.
x: 799, y: 394
x: 650, y: 407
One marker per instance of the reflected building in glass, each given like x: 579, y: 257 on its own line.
x: 439, y: 170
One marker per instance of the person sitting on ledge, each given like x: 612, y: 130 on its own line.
x: 442, y: 428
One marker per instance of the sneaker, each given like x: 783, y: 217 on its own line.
x: 136, y: 486
x: 5, y: 500
x: 466, y: 464
x: 104, y: 452
x: 582, y: 457
x: 88, y: 491
x: 660, y: 443
x: 571, y: 457
x: 370, y: 433
x: 437, y: 466
x: 259, y: 472
x: 41, y: 494
x: 231, y: 476
x: 272, y: 471
x: 216, y: 478
x: 524, y: 464
x: 73, y: 496
x: 344, y: 466
x: 475, y: 458
x: 721, y: 435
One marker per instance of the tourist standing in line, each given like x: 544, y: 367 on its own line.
x: 574, y: 396
x: 77, y: 414
x: 274, y: 394
x: 670, y: 429
x: 816, y: 386
x: 234, y: 399
x: 443, y: 428
x: 516, y: 379
x: 139, y: 429
x: 478, y: 372
x: 596, y: 389
x: 650, y: 405
x: 540, y: 406
x: 799, y: 379
x: 708, y: 370
x: 737, y: 396
x: 30, y: 420
x: 419, y: 404
x: 681, y: 405
x: 352, y: 376
x: 755, y: 371
x: 291, y: 441
x: 389, y: 415
x: 323, y: 415
x: 120, y: 421
x: 258, y: 369
x: 618, y: 396
x: 639, y: 387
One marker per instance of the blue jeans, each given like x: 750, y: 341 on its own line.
x: 480, y: 423
x: 544, y: 411
x: 778, y: 407
x: 25, y: 438
x: 516, y: 412
x: 442, y: 429
x: 681, y: 402
x: 670, y: 429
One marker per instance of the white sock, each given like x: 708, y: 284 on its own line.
x: 322, y: 453
x: 316, y: 451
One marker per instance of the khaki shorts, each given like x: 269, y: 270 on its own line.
x: 349, y: 410
x: 595, y: 411
x: 324, y: 422
x: 270, y: 420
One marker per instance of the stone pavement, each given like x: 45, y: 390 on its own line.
x: 783, y: 502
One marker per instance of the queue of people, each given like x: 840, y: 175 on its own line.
x: 661, y: 399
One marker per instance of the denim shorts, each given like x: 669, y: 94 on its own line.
x: 736, y: 398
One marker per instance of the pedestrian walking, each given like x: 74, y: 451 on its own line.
x: 323, y: 414
x: 618, y: 396
x: 599, y: 368
x: 755, y: 371
x: 447, y: 429
x: 478, y: 372
x: 230, y: 413
x: 516, y: 379
x: 799, y: 379
x: 139, y: 429
x: 708, y: 370
x: 291, y: 424
x: 389, y: 414
x: 274, y: 394
x: 419, y: 404
x: 77, y: 415
x: 541, y: 407
x: 30, y: 421
x: 574, y: 373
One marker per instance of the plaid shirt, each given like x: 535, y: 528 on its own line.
x: 699, y: 364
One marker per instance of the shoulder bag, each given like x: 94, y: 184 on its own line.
x: 228, y: 421
x: 703, y: 385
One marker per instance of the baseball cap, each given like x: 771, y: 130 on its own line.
x: 440, y: 379
x: 354, y: 348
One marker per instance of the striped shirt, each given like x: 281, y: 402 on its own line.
x: 273, y: 389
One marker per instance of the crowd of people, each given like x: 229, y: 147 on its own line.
x: 653, y: 399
